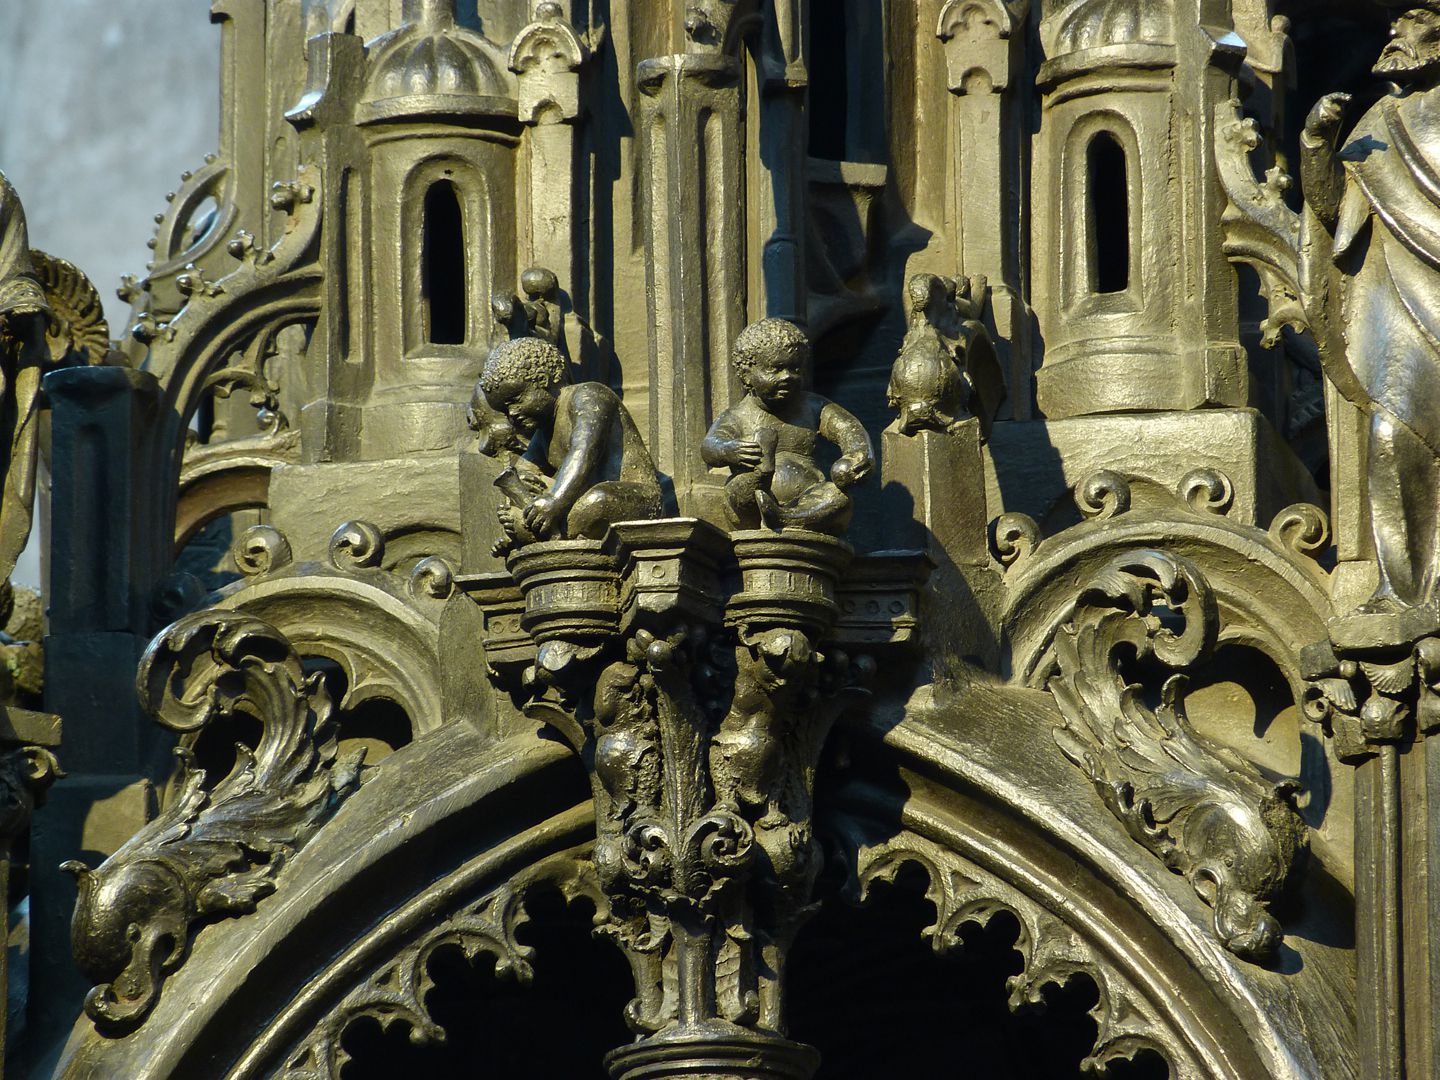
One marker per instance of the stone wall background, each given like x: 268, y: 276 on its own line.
x: 103, y: 104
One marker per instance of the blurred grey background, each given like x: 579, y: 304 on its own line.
x: 103, y: 104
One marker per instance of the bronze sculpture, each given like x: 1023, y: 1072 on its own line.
x: 1373, y: 194
x: 581, y: 438
x: 768, y: 438
x: 546, y: 579
x: 930, y: 385
x: 25, y: 318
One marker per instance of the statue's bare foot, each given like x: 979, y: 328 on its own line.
x: 769, y: 510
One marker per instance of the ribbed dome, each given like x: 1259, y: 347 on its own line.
x: 1075, y: 25
x: 433, y: 65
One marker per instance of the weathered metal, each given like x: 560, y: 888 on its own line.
x: 484, y: 500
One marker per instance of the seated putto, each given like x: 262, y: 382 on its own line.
x: 768, y: 438
x: 585, y: 465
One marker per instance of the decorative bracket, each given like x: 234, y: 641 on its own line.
x: 1372, y: 689
x: 700, y: 710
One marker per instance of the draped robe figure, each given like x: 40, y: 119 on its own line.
x: 24, y: 356
x: 1379, y: 199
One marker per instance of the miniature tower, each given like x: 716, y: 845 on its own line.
x: 1137, y: 304
x: 420, y: 197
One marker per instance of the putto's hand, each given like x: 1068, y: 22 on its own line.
x: 540, y: 516
x: 747, y: 454
x: 849, y: 470
x: 1324, y: 119
x: 533, y: 483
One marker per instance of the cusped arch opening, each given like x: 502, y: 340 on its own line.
x: 578, y: 992
x: 376, y: 724
x: 870, y: 993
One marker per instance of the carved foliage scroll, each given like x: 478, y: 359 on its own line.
x: 1259, y: 227
x: 214, y: 851
x: 1207, y: 813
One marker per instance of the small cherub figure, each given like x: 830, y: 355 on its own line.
x: 585, y: 465
x: 768, y: 438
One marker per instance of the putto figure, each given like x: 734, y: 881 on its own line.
x: 1378, y: 200
x: 585, y: 466
x: 768, y: 438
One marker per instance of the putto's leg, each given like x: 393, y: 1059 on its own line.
x: 740, y: 492
x: 820, y: 508
x: 609, y: 502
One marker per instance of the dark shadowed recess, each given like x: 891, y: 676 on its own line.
x: 877, y: 1001
x: 560, y: 1026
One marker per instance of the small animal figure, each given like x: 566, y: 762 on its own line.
x: 932, y: 387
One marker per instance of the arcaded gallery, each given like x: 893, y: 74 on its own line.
x: 720, y: 539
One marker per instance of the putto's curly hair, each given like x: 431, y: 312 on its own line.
x: 767, y: 338
x: 527, y: 359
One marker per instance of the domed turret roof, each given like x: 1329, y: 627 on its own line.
x: 433, y: 66
x: 1072, y: 26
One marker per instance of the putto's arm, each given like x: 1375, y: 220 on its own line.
x: 592, y: 409
x: 842, y: 428
x: 725, y: 444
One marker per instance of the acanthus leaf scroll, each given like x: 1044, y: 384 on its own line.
x: 213, y: 852
x: 1209, y: 815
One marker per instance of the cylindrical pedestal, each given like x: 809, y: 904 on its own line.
x: 572, y: 600
x: 714, y: 1051
x: 572, y: 591
x: 787, y: 580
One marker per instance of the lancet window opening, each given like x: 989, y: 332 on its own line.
x: 443, y: 266
x: 1107, y: 207
x: 847, y: 100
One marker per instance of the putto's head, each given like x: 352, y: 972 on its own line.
x: 521, y: 378
x: 496, y: 432
x: 770, y: 357
x: 1413, y: 52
